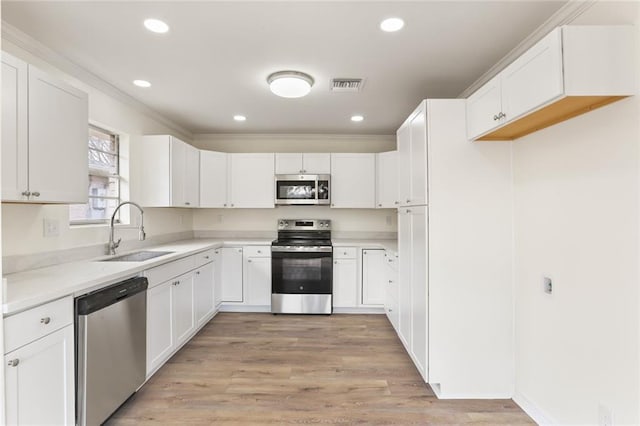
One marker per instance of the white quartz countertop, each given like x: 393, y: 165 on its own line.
x: 34, y: 287
x: 37, y: 286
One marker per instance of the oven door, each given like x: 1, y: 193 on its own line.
x: 301, y: 272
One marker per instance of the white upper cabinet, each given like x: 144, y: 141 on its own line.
x: 44, y: 128
x: 213, y: 179
x: 387, y: 180
x: 412, y: 159
x: 565, y: 74
x: 251, y: 180
x: 170, y: 176
x: 307, y: 163
x: 353, y: 181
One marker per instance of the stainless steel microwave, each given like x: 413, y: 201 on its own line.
x: 303, y: 189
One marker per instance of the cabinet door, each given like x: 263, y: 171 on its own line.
x: 404, y: 158
x: 39, y: 381
x: 192, y: 177
x: 345, y: 287
x: 183, y: 309
x: 203, y: 293
x: 213, y: 179
x: 251, y: 180
x: 419, y: 285
x: 353, y: 178
x: 404, y: 275
x: 289, y: 163
x: 374, y: 277
x: 418, y: 191
x: 178, y: 172
x: 533, y: 79
x: 483, y: 108
x: 317, y: 163
x: 58, y: 135
x: 14, y: 129
x: 155, y: 175
x: 257, y: 275
x: 387, y: 180
x: 159, y: 325
x: 232, y: 274
x: 217, y: 280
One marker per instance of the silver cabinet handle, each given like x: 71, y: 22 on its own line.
x: 216, y: 252
x: 396, y: 202
x: 45, y: 320
x: 197, y: 272
x: 390, y: 310
x: 35, y: 194
x: 335, y: 261
x: 408, y: 201
x: 13, y: 362
x: 379, y: 205
x: 232, y: 204
x: 224, y: 205
x: 207, y: 257
x: 26, y: 193
x: 176, y: 282
x: 249, y: 260
x: 259, y: 251
x: 496, y: 118
x: 187, y: 203
x: 239, y: 250
x: 390, y: 281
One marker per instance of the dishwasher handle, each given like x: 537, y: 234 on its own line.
x: 100, y: 299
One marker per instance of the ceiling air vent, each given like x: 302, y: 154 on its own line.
x: 346, y: 84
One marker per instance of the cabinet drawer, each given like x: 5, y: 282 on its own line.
x: 204, y: 257
x: 37, y: 322
x: 167, y: 271
x: 344, y: 252
x: 257, y: 251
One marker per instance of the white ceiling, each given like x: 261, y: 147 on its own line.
x: 215, y: 60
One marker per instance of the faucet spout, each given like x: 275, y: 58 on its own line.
x: 113, y: 245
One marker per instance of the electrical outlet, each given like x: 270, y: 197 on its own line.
x: 547, y: 283
x: 51, y: 227
x: 605, y: 415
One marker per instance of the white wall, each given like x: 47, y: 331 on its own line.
x: 345, y: 222
x: 22, y: 225
x: 576, y: 215
x: 576, y: 221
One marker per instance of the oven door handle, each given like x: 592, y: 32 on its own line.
x: 301, y: 249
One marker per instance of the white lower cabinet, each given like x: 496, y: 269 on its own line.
x: 204, y: 293
x: 373, y: 277
x: 180, y: 300
x: 345, y: 277
x: 39, y: 365
x: 159, y: 325
x: 231, y: 274
x: 183, y: 307
x: 257, y: 275
x: 391, y: 293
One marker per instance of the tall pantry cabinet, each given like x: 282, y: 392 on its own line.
x: 454, y: 241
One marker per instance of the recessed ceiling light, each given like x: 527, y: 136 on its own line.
x: 142, y: 83
x: 156, y: 26
x: 240, y: 118
x: 357, y: 118
x: 391, y: 24
x: 290, y: 84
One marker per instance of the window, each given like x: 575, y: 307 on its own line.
x: 104, y: 179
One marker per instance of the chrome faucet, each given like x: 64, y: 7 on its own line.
x: 113, y: 245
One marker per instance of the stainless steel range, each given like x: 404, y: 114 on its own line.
x: 302, y: 267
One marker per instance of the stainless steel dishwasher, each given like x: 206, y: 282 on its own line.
x: 111, y: 350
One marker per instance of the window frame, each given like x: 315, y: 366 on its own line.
x: 115, y: 139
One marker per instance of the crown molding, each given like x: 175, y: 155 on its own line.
x: 290, y: 136
x: 565, y: 15
x: 38, y: 49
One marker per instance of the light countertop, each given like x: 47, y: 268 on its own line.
x: 34, y: 287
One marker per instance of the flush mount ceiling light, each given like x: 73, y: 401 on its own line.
x: 156, y: 26
x: 290, y: 84
x: 391, y: 25
x: 142, y: 83
x: 357, y: 118
x: 240, y: 118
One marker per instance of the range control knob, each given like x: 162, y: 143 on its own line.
x: 281, y: 223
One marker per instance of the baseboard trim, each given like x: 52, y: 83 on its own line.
x: 536, y: 413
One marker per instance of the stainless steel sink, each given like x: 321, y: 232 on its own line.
x: 138, y: 256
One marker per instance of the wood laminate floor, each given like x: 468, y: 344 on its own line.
x: 263, y: 369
